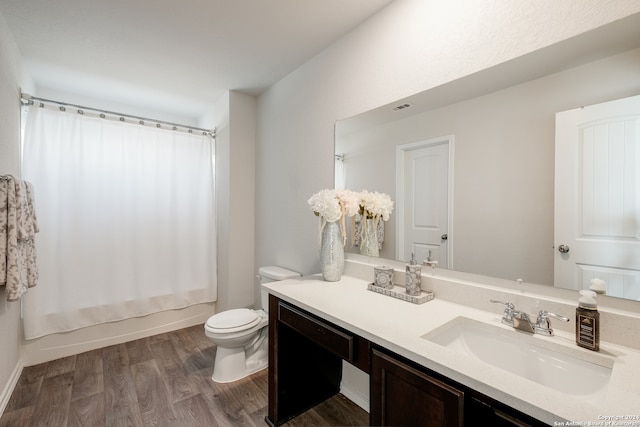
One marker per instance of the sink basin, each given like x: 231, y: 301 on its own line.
x: 535, y: 358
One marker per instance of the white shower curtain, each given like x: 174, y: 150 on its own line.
x: 126, y: 216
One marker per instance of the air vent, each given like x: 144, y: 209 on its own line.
x: 401, y: 107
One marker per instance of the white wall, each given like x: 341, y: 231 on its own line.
x: 408, y: 47
x: 10, y: 329
x: 117, y: 107
x: 235, y: 188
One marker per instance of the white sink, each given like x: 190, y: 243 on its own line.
x: 535, y: 358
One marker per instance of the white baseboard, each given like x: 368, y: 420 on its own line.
x: 355, y: 385
x: 10, y: 386
x: 355, y: 396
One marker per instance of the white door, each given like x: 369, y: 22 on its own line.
x: 597, y: 197
x: 423, y: 186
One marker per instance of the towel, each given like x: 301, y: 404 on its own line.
x: 18, y: 226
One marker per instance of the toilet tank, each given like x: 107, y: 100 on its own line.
x: 273, y: 273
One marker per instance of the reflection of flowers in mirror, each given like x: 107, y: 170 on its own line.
x: 335, y: 205
x: 375, y: 205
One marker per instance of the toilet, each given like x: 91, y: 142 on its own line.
x: 241, y: 334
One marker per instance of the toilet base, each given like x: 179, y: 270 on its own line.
x: 232, y: 364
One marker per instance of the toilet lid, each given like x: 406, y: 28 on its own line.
x: 233, y: 319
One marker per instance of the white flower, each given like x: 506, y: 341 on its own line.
x: 333, y: 205
x: 350, y: 201
x: 375, y: 205
x: 325, y: 204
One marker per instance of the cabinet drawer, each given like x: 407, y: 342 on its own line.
x: 339, y: 342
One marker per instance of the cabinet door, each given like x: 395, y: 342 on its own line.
x: 404, y: 396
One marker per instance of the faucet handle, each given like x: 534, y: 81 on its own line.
x: 507, y: 316
x: 547, y: 314
x: 543, y: 325
x: 509, y: 305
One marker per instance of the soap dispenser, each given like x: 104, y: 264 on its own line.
x: 412, y: 277
x: 588, y: 321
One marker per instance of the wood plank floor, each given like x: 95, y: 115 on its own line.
x: 164, y: 380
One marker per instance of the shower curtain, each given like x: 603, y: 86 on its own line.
x: 126, y: 216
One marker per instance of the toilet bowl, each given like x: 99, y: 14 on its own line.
x: 240, y: 334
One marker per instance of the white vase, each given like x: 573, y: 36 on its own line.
x: 332, y: 252
x: 369, y: 241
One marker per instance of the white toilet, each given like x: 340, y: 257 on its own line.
x: 241, y: 334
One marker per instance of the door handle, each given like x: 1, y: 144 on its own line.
x: 563, y: 249
x: 444, y: 236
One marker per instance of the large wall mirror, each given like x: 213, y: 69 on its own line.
x: 500, y: 127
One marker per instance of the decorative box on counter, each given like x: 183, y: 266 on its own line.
x: 383, y: 276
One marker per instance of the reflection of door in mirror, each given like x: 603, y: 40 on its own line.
x: 598, y: 197
x: 422, y: 189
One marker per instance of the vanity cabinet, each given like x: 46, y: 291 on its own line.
x: 305, y: 359
x: 403, y: 393
x: 305, y: 368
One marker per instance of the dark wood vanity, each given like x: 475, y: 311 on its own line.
x: 305, y: 368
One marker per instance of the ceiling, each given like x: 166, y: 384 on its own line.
x: 174, y: 56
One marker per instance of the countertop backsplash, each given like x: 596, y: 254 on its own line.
x: 619, y: 318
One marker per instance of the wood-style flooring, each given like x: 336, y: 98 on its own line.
x: 163, y: 380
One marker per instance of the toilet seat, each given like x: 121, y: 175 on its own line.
x: 234, y: 320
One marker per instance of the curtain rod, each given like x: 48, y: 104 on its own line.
x: 30, y: 100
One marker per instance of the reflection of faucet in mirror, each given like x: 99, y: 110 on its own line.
x: 502, y: 200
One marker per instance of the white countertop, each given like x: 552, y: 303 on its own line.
x: 398, y: 326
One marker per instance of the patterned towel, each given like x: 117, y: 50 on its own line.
x: 4, y: 231
x: 18, y: 225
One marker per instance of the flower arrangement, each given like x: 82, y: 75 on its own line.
x: 335, y: 205
x: 375, y: 205
x: 368, y: 227
x: 332, y: 207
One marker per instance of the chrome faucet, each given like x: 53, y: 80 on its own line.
x: 520, y: 320
x: 543, y: 324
